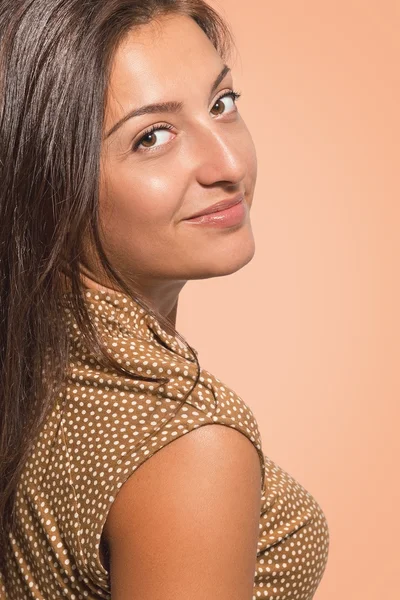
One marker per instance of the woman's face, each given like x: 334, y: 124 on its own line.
x: 151, y: 184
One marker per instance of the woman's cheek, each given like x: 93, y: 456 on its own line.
x: 150, y: 199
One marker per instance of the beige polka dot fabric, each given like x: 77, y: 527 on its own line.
x: 102, y: 428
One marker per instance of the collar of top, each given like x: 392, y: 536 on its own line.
x: 116, y: 308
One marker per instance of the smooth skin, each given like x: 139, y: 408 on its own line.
x: 185, y: 524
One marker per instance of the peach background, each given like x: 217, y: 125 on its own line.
x: 308, y: 332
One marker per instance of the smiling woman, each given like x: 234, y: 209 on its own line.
x: 127, y: 170
x: 175, y: 145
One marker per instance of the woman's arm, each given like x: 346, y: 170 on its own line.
x: 186, y: 523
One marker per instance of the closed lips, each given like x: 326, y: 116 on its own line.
x: 219, y: 206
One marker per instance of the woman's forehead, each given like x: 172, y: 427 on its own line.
x: 161, y: 59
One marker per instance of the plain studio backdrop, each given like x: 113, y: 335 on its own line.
x: 308, y: 332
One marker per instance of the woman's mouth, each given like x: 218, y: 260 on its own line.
x: 228, y: 217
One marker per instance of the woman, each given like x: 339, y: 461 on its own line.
x: 119, y: 124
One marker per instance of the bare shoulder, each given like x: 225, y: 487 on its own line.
x: 185, y: 524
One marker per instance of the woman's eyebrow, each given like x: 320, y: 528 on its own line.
x: 172, y: 107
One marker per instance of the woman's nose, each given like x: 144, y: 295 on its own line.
x: 218, y: 155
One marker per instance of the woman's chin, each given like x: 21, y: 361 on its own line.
x: 227, y: 261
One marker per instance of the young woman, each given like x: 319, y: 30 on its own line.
x: 119, y: 125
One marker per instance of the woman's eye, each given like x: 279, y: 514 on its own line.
x: 229, y: 98
x: 160, y: 132
x: 154, y: 133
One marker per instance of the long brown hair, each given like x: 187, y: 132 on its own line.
x: 55, y: 60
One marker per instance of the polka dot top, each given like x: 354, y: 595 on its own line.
x: 102, y: 427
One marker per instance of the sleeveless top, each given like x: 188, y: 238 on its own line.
x: 102, y: 427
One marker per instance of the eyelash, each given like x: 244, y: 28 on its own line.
x: 161, y: 127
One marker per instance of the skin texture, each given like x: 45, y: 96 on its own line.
x: 207, y: 156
